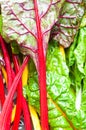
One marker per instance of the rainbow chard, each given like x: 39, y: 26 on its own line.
x: 69, y: 22
x: 62, y: 110
x: 29, y: 23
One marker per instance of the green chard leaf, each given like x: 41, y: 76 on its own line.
x: 80, y: 51
x: 83, y: 22
x: 78, y: 70
x: 76, y: 57
x: 62, y: 111
x: 70, y: 52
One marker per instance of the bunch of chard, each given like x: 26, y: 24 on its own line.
x: 66, y: 83
x: 13, y: 85
x: 28, y: 24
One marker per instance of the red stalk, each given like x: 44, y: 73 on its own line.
x: 9, y: 73
x: 42, y: 72
x: 24, y: 104
x: 7, y: 62
x: 19, y: 97
x: 7, y: 104
x: 2, y: 93
x: 26, y: 114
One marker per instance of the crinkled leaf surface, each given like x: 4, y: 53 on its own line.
x: 78, y: 69
x: 62, y: 111
x: 76, y: 57
x: 20, y: 23
x: 70, y: 52
x: 69, y: 21
x: 80, y: 51
x: 83, y: 22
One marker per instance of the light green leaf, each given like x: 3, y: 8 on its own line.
x: 62, y: 111
x: 80, y: 51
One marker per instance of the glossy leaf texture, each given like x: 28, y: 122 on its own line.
x: 77, y: 54
x: 62, y: 111
x: 68, y: 22
x: 19, y: 22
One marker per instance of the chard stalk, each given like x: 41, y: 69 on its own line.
x: 41, y: 73
x: 2, y: 94
x: 8, y: 102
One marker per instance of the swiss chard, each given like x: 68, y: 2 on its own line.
x: 69, y: 22
x: 62, y: 110
x: 6, y: 111
x: 56, y: 86
x: 29, y: 23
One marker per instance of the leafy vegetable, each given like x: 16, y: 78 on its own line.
x: 62, y: 110
x: 30, y: 23
x: 8, y: 102
x: 56, y: 86
x: 68, y: 23
x: 78, y: 68
x: 20, y: 22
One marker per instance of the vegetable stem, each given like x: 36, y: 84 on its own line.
x: 19, y: 97
x: 7, y: 62
x: 2, y: 94
x: 9, y: 74
x: 41, y: 72
x: 21, y: 103
x: 7, y: 104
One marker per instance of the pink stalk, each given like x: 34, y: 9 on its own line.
x: 9, y: 73
x: 2, y: 93
x: 24, y: 104
x: 7, y: 62
x: 42, y: 72
x: 26, y: 113
x: 19, y: 97
x: 8, y: 102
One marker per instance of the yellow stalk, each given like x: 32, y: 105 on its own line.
x: 13, y: 113
x: 34, y: 116
x: 35, y: 119
x: 4, y: 74
x: 62, y: 50
x: 25, y: 76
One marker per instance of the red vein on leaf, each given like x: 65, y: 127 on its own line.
x: 46, y: 10
x: 14, y: 31
x: 67, y: 17
x: 73, y: 2
x: 22, y: 6
x: 48, y: 29
x: 53, y: 3
x: 31, y: 49
x: 12, y: 12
